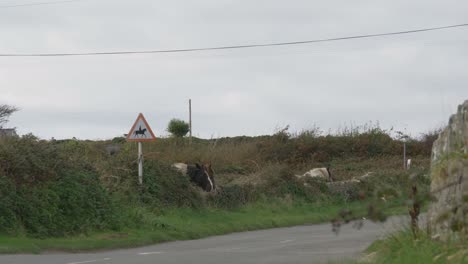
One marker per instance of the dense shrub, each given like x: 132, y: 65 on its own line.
x: 278, y: 181
x: 61, y: 187
x: 50, y: 188
x: 28, y: 159
x: 234, y: 196
x: 311, y: 146
x: 8, y: 198
x: 249, y: 154
x: 84, y: 203
x: 178, y: 128
x: 346, y: 192
x: 74, y: 203
x: 163, y: 186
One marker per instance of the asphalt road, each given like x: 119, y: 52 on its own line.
x: 299, y: 244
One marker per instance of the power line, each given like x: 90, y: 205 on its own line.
x: 39, y: 3
x: 230, y: 47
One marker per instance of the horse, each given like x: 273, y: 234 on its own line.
x: 201, y: 175
x: 320, y: 173
x: 140, y: 132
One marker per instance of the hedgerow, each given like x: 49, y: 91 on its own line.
x: 66, y: 187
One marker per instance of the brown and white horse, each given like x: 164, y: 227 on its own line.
x: 202, y: 175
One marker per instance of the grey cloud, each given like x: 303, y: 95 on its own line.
x: 407, y: 81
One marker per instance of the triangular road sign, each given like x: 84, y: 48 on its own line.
x: 141, y: 131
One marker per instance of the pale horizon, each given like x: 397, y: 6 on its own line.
x: 411, y: 82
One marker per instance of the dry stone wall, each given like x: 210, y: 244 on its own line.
x: 448, y: 213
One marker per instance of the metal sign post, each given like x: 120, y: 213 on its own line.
x: 140, y: 163
x: 140, y: 132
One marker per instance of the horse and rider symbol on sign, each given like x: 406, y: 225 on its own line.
x: 141, y: 131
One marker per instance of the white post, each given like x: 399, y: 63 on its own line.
x: 140, y: 164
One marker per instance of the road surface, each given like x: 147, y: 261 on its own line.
x: 299, y: 244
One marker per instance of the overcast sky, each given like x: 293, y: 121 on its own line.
x: 411, y: 82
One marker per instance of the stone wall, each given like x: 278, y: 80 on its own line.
x: 448, y: 213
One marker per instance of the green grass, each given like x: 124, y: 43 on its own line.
x: 402, y: 248
x: 182, y: 224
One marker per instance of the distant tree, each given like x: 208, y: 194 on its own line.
x: 178, y: 128
x: 5, y: 113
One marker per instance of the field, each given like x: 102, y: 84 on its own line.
x: 73, y: 195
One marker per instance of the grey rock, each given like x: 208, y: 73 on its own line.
x: 449, y: 178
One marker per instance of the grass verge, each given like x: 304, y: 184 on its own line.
x: 184, y: 223
x: 402, y: 248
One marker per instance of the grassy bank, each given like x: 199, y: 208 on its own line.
x: 74, y: 195
x: 403, y: 248
x: 187, y: 223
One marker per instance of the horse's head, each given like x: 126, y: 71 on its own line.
x: 207, y: 176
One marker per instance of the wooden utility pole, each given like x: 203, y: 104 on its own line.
x: 190, y: 121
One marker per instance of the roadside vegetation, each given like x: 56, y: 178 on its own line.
x: 181, y: 223
x: 403, y: 248
x: 78, y: 195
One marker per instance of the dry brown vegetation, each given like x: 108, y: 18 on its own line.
x: 39, y: 177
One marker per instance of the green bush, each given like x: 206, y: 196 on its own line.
x: 28, y: 159
x: 62, y: 187
x: 163, y: 186
x: 51, y: 189
x: 84, y: 203
x: 234, y: 196
x: 8, y: 199
x: 178, y: 128
x: 38, y: 211
x: 281, y: 182
x: 75, y: 203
